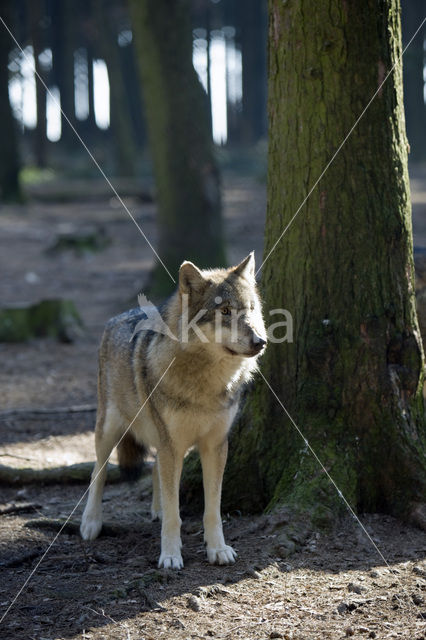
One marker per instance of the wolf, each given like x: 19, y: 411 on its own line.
x: 177, y: 389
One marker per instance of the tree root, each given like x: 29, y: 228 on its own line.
x: 29, y: 413
x: 75, y: 473
x: 71, y: 527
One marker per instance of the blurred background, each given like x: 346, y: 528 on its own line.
x: 85, y: 52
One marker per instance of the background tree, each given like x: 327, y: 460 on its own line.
x: 121, y: 124
x: 187, y: 179
x: 414, y: 62
x: 36, y: 16
x: 352, y: 379
x: 63, y: 37
x: 9, y: 157
x: 253, y: 20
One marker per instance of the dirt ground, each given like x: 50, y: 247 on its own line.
x: 334, y: 586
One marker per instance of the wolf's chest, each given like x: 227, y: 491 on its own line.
x: 190, y: 425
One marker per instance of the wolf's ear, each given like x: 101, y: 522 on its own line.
x: 190, y: 277
x: 246, y: 267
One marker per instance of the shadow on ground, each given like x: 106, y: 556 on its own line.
x: 81, y: 586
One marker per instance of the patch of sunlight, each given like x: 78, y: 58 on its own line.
x: 50, y: 452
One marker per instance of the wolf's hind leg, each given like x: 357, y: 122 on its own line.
x: 156, y: 498
x: 213, y: 459
x: 107, y: 435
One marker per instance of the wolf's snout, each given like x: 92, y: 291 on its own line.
x: 258, y: 342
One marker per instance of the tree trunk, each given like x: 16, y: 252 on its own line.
x: 9, y: 157
x: 189, y: 207
x: 63, y: 45
x: 253, y: 45
x: 133, y: 92
x: 121, y: 125
x: 352, y: 378
x: 91, y: 126
x: 40, y: 141
x: 413, y: 12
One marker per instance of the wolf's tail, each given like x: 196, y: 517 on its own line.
x: 131, y: 456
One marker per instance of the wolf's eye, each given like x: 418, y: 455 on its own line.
x: 226, y: 311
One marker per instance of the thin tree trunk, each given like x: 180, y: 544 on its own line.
x: 121, y: 126
x: 63, y: 45
x: 352, y: 378
x: 91, y: 119
x: 40, y: 142
x: 9, y: 157
x: 253, y: 43
x: 187, y: 179
x: 133, y: 91
x: 414, y: 62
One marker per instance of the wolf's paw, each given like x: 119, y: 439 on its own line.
x: 90, y: 528
x: 224, y: 555
x: 170, y: 562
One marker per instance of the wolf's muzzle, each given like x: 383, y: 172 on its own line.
x: 258, y: 343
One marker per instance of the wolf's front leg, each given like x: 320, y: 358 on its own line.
x: 169, y: 462
x: 213, y: 460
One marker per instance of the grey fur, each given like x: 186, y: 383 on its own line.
x: 194, y: 404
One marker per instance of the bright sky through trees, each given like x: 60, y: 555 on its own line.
x: 225, y: 83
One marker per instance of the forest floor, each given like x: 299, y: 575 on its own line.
x: 334, y: 586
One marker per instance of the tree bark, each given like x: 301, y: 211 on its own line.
x: 352, y: 378
x: 9, y: 156
x: 187, y: 180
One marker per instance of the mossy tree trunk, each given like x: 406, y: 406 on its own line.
x: 187, y: 179
x: 352, y: 378
x: 9, y: 157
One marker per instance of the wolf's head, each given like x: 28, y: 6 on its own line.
x: 222, y: 307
